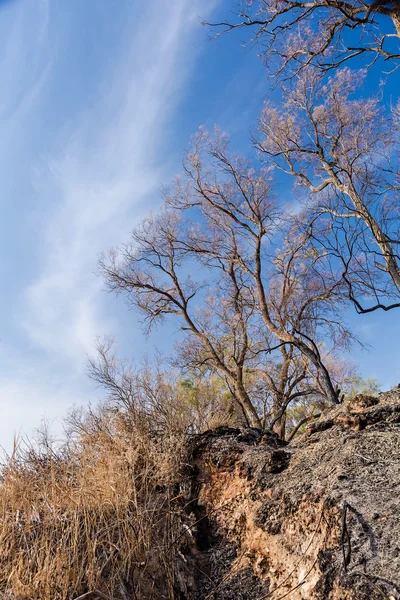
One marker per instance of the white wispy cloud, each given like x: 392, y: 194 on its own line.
x: 110, y: 161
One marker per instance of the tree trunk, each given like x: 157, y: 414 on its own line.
x: 391, y: 263
x: 279, y: 415
x: 280, y: 426
x: 250, y: 412
x: 388, y: 254
x: 326, y: 383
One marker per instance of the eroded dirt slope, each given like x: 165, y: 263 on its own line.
x: 319, y: 518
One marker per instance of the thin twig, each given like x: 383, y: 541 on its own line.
x: 94, y: 594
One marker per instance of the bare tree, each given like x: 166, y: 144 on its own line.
x: 158, y: 395
x: 305, y: 297
x: 210, y: 258
x: 154, y: 272
x: 344, y: 150
x: 294, y: 34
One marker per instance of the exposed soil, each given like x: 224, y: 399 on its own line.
x: 316, y: 519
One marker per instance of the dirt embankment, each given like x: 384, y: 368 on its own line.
x: 316, y: 519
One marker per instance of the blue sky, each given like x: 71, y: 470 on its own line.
x: 98, y: 100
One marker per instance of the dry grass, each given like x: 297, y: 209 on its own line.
x: 97, y: 513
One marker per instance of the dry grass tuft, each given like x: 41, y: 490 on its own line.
x: 97, y: 513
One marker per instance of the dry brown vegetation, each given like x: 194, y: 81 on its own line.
x: 98, y: 513
x: 103, y: 510
x: 113, y: 508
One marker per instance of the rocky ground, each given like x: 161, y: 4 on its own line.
x: 316, y: 519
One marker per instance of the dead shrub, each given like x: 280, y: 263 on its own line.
x: 97, y: 513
